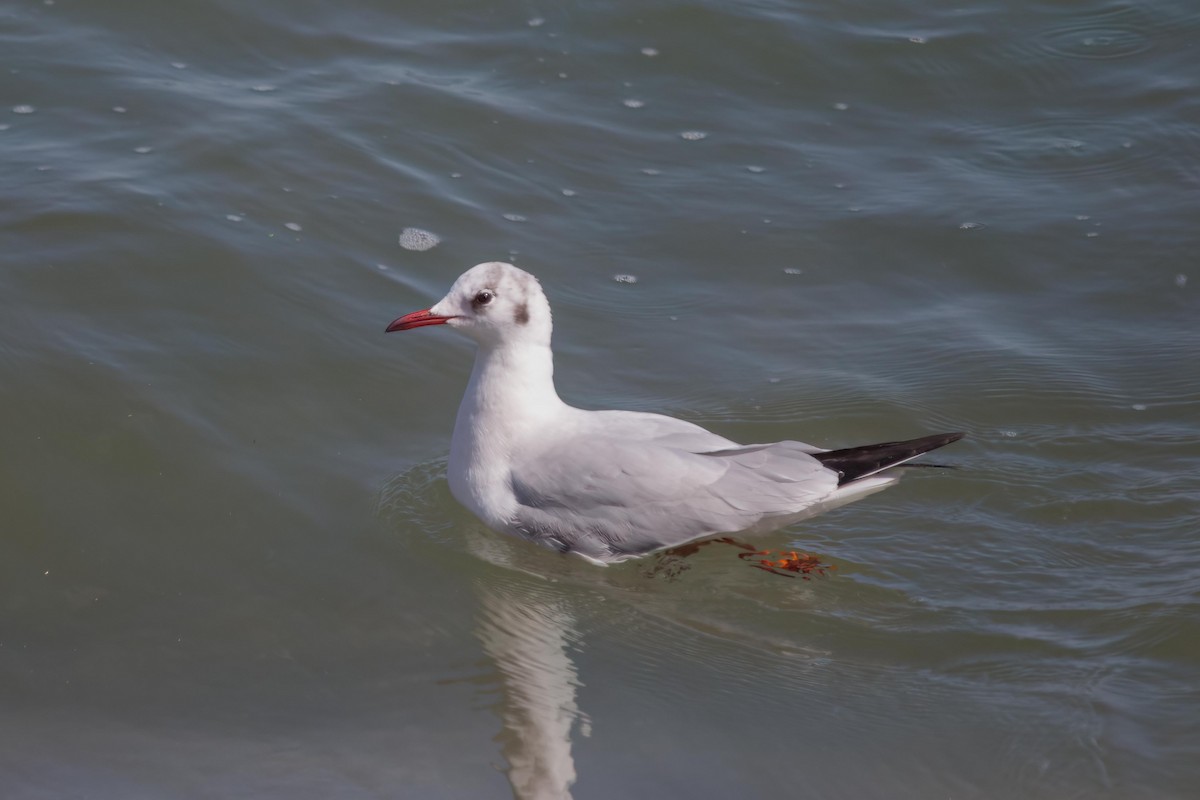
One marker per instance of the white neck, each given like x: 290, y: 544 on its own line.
x: 509, y: 399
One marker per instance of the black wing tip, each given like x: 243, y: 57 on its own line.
x: 854, y: 463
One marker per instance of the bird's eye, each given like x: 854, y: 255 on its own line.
x: 483, y: 298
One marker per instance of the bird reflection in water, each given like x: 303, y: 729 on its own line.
x: 528, y: 636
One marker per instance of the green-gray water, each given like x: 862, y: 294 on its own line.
x: 229, y: 562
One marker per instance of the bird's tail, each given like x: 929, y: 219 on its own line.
x: 855, y: 463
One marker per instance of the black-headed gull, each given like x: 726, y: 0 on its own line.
x: 612, y: 485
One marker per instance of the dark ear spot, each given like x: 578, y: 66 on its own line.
x: 521, y: 315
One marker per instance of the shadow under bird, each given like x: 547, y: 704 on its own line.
x: 613, y: 485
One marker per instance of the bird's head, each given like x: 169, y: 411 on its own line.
x: 493, y: 303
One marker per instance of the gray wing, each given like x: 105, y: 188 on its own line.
x: 609, y: 498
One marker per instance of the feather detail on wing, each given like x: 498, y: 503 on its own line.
x: 609, y: 498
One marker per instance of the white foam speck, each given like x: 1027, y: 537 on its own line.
x: 1082, y: 217
x: 418, y: 239
x: 650, y: 51
x: 4, y: 126
x: 143, y: 149
x: 293, y: 226
x: 234, y: 217
x: 773, y: 380
x: 569, y: 192
x: 262, y: 87
x: 178, y: 65
x: 970, y: 226
x: 917, y: 39
x: 515, y: 218
x: 120, y: 109
x: 651, y: 171
x: 537, y: 22
x: 632, y: 103
x: 1138, y: 406
x: 625, y: 278
x: 455, y: 174
x: 792, y: 271
x: 382, y: 267
x: 23, y: 109
x: 1091, y: 234
x: 1009, y: 434
x: 1181, y: 280
x: 841, y: 106
x: 755, y: 169
x: 693, y: 136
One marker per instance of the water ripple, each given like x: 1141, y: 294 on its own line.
x: 1062, y: 147
x: 1110, y: 34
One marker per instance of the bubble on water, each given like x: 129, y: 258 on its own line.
x: 1092, y: 234
x: 971, y: 226
x: 1082, y: 217
x: 632, y: 103
x: 234, y: 217
x: 792, y: 271
x: 1138, y: 406
x: 1009, y: 434
x: 1181, y: 280
x: 179, y: 65
x: 773, y: 380
x: 23, y: 109
x: 562, y: 75
x: 625, y: 278
x: 293, y: 226
x: 262, y: 87
x: 455, y: 174
x: 756, y: 170
x: 536, y: 22
x: 650, y: 51
x: 693, y: 136
x: 120, y: 109
x: 143, y: 149
x: 515, y: 217
x: 917, y: 39
x: 841, y: 106
x: 418, y: 239
x: 569, y: 192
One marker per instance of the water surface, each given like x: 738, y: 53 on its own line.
x: 229, y: 562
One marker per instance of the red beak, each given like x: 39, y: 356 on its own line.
x: 417, y: 319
